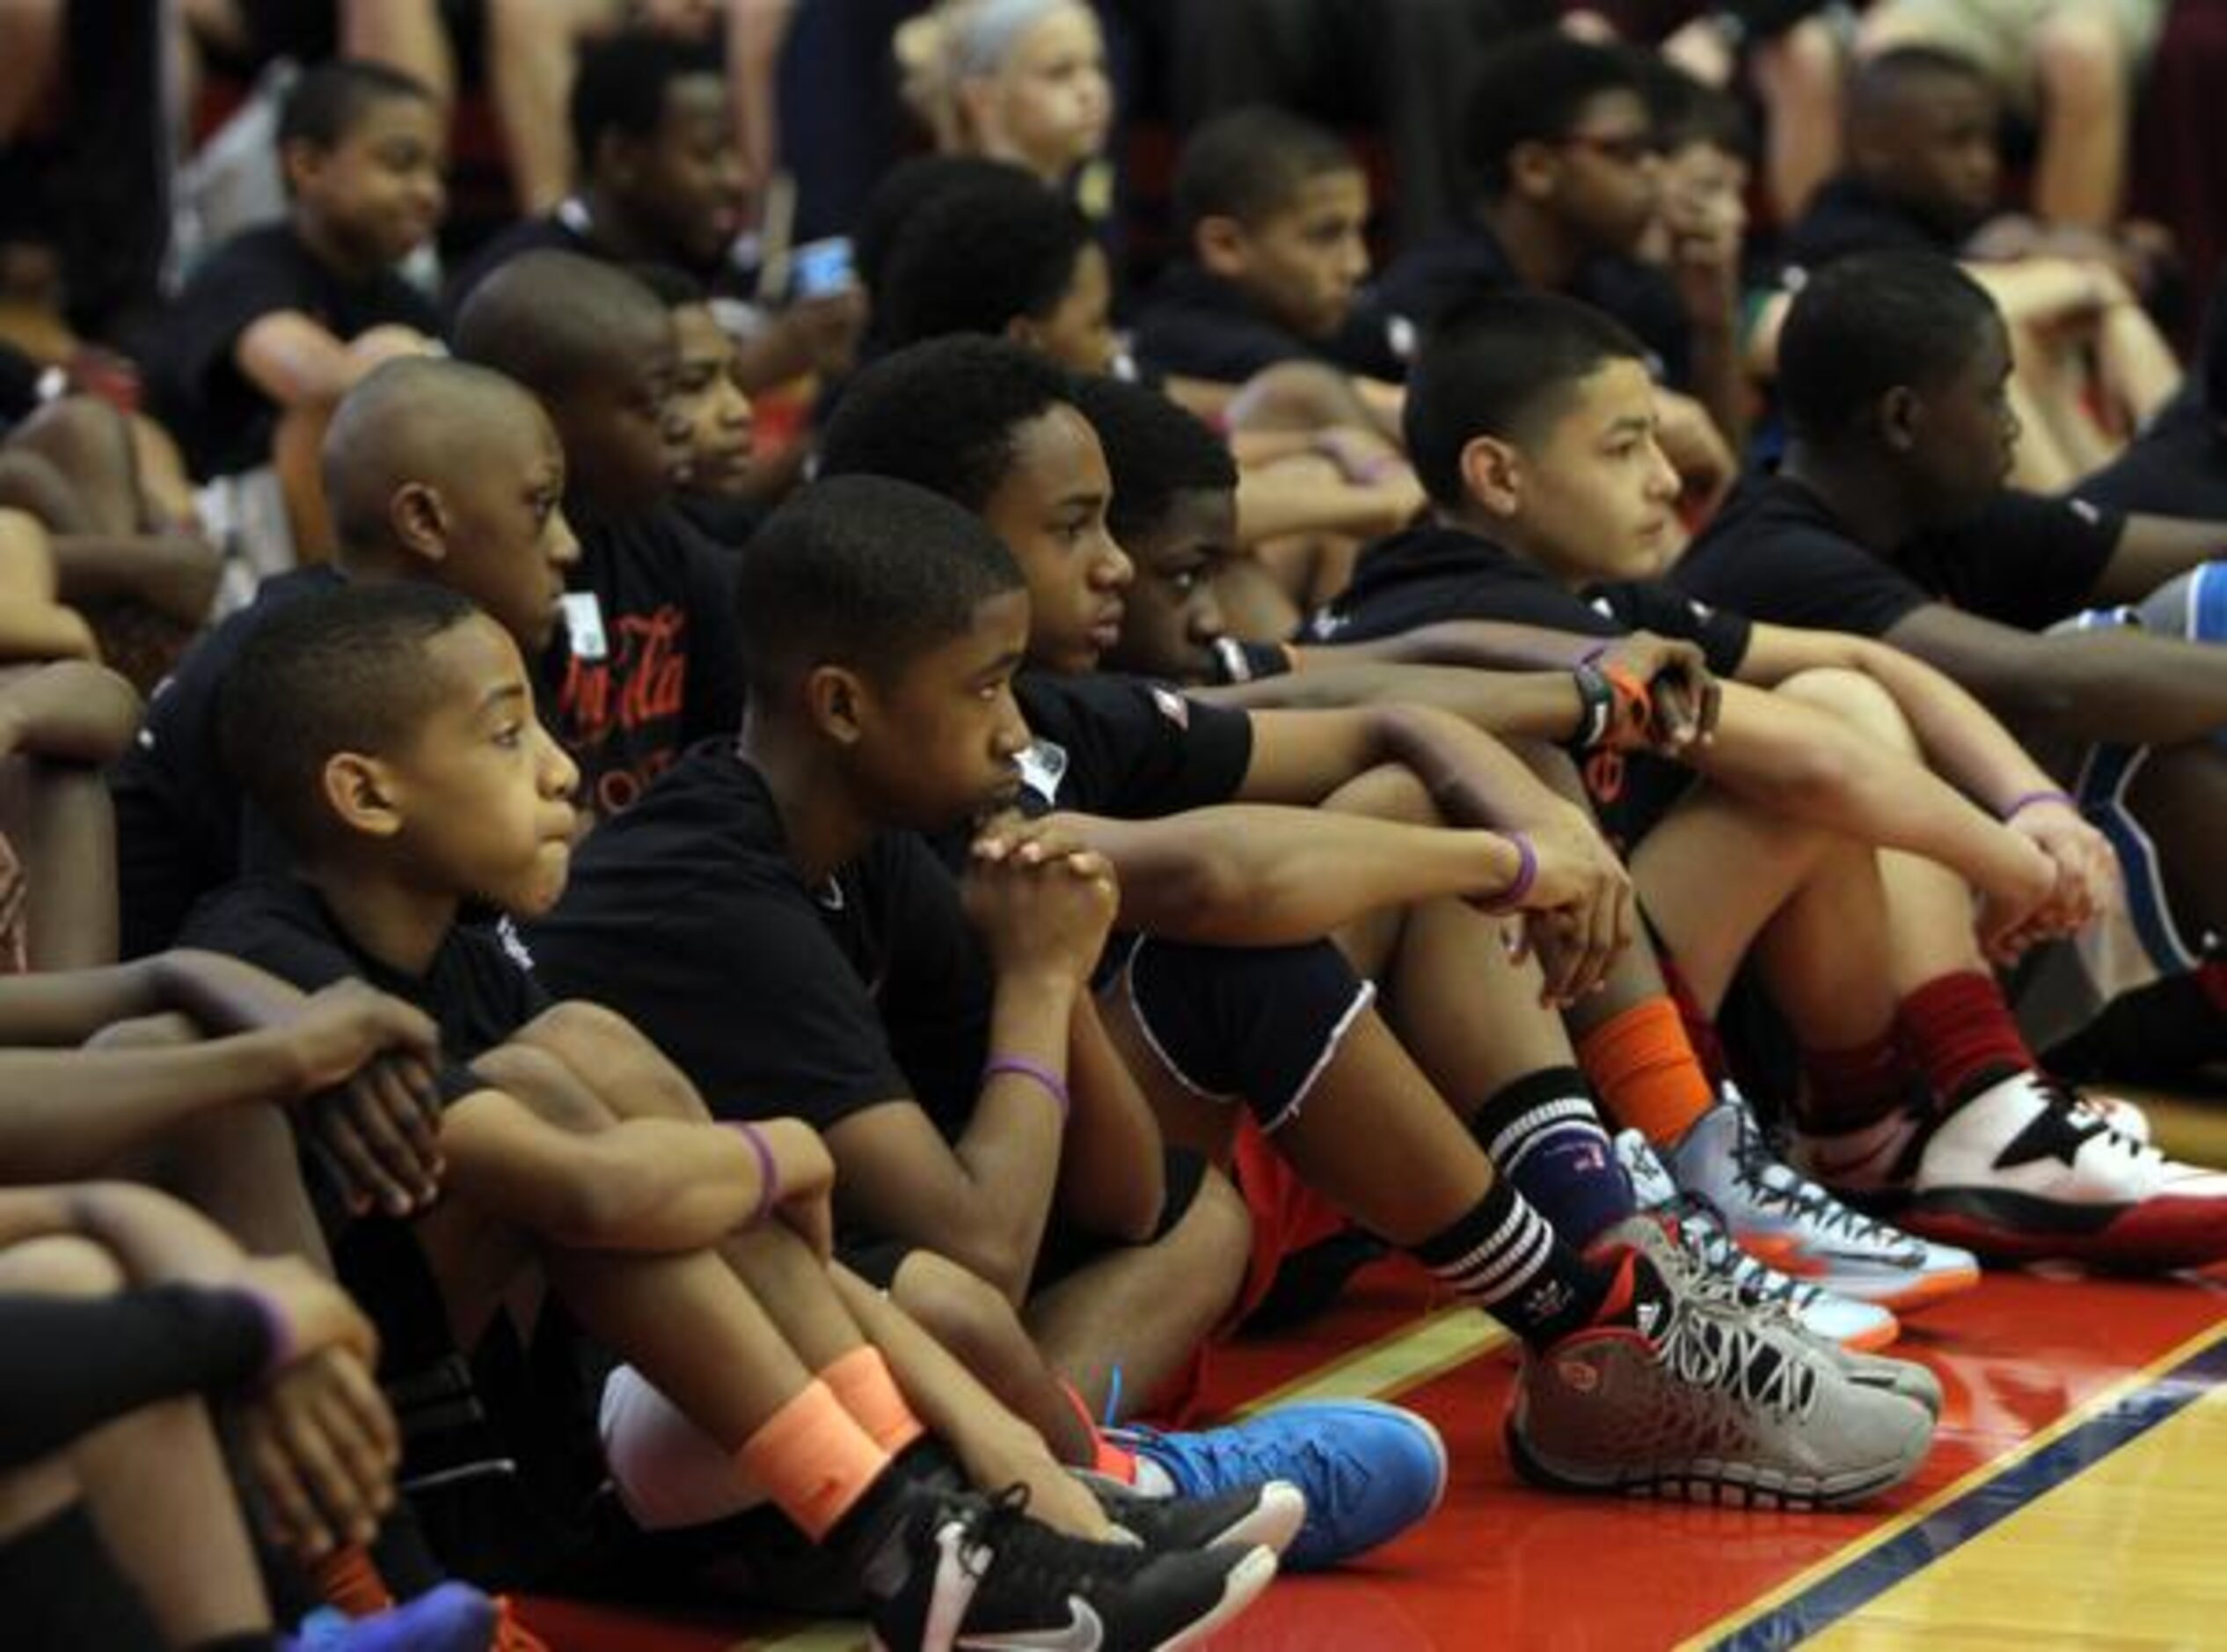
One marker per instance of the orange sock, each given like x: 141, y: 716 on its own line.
x: 1644, y: 1066
x: 1116, y: 1462
x: 813, y: 1459
x: 863, y: 1384
x: 347, y: 1578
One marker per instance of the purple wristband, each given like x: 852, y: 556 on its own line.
x: 2032, y: 799
x: 276, y: 1326
x: 1527, y: 872
x: 1027, y: 1068
x: 768, y: 1172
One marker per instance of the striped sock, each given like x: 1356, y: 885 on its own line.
x: 1544, y: 1134
x: 1504, y: 1257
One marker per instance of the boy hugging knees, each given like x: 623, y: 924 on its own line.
x: 387, y: 732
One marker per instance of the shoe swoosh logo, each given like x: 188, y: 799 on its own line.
x: 1083, y: 1633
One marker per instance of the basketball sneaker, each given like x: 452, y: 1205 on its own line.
x: 1875, y: 1165
x: 2028, y: 1169
x: 1678, y: 1394
x: 1269, y: 1514
x: 962, y: 1571
x: 1777, y: 1214
x: 1369, y: 1471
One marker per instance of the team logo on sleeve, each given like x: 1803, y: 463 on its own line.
x: 1173, y: 706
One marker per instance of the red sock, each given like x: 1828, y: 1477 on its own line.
x: 1645, y: 1072
x: 2211, y: 975
x: 1852, y: 1087
x: 347, y: 1578
x: 1116, y: 1462
x: 1960, y: 1034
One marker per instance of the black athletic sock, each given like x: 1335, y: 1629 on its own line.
x: 1504, y: 1257
x: 1544, y: 1134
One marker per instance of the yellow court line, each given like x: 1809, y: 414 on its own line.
x: 1888, y: 1530
x: 1403, y: 1359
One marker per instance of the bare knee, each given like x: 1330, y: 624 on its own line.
x: 1217, y: 1226
x: 1854, y: 699
x: 61, y: 1265
x: 577, y: 1027
x: 961, y: 1310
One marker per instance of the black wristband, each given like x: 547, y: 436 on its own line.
x: 1597, y: 698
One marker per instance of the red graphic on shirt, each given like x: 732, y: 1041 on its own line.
x: 620, y: 716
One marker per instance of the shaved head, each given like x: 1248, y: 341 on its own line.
x: 418, y: 421
x: 555, y: 320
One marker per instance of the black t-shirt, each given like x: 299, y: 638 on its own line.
x: 1425, y: 281
x: 1429, y: 575
x: 2177, y: 467
x: 1128, y: 748
x: 181, y: 828
x: 222, y: 420
x: 1775, y: 552
x: 687, y: 915
x: 1197, y: 325
x: 551, y: 232
x: 1847, y: 216
x: 477, y: 989
x: 655, y: 667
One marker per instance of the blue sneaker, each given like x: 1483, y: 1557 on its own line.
x: 453, y: 1618
x: 1369, y: 1471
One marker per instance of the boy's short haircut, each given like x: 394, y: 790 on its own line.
x: 329, y: 100
x: 1687, y: 112
x: 1864, y: 325
x: 622, y: 83
x: 341, y: 670
x: 974, y: 259
x: 865, y: 572
x: 903, y: 190
x: 941, y: 415
x: 1251, y: 163
x: 1500, y: 364
x: 1877, y: 80
x: 552, y: 320
x: 1530, y: 91
x: 1154, y: 451
x: 675, y: 289
x: 398, y: 424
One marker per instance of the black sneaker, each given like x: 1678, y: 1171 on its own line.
x: 1269, y: 1514
x: 967, y: 1572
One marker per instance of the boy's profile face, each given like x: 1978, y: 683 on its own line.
x: 1606, y: 181
x: 936, y: 744
x: 1174, y: 616
x: 507, y: 545
x: 1595, y: 499
x: 1964, y: 434
x: 1303, y: 262
x: 481, y: 798
x: 1050, y: 511
x: 378, y: 191
x: 625, y: 438
x: 707, y: 397
x: 686, y: 181
x: 1078, y: 334
x: 1933, y: 148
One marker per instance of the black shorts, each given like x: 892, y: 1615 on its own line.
x: 1256, y: 1024
x: 1064, y: 1252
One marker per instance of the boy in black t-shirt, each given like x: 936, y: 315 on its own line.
x: 648, y: 663
x: 1533, y: 422
x: 1272, y: 210
x: 1561, y: 143
x: 435, y: 472
x: 1890, y: 517
x: 389, y: 732
x: 1233, y: 995
x: 282, y: 319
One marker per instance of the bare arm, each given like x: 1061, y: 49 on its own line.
x: 70, y: 711
x: 1112, y: 1171
x: 176, y: 574
x: 2124, y: 686
x: 1534, y: 705
x: 1487, y: 644
x: 297, y: 362
x: 2154, y: 548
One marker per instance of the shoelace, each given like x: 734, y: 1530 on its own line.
x: 1747, y: 1279
x: 1032, y: 1556
x: 2089, y: 1121
x: 1707, y: 1347
x: 1773, y: 1183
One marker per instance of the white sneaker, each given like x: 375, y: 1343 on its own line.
x: 2028, y: 1169
x: 1700, y: 1232
x: 1780, y: 1216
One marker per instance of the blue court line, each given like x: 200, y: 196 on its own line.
x: 1956, y: 1523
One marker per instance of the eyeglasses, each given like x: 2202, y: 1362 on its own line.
x: 1625, y: 148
